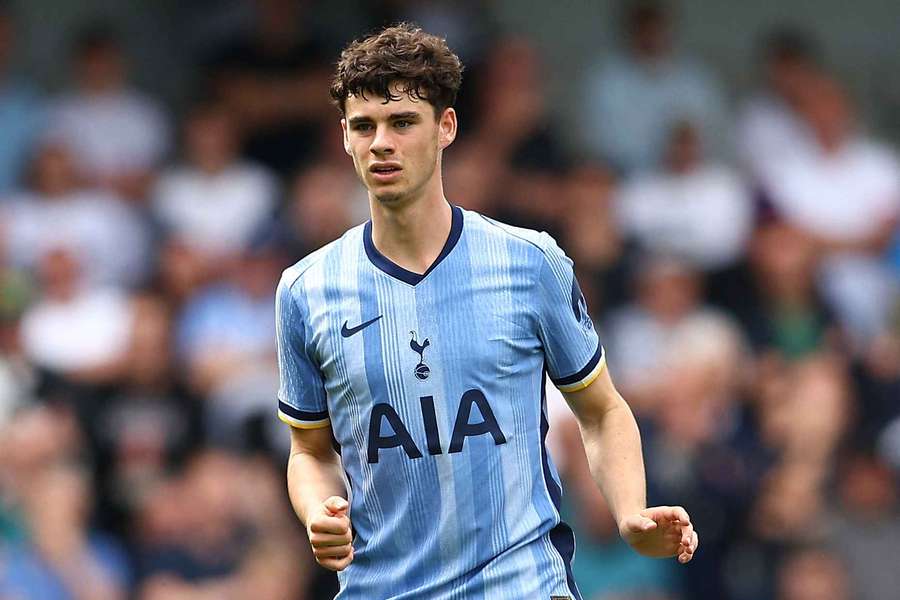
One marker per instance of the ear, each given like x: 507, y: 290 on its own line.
x: 345, y: 136
x: 447, y: 128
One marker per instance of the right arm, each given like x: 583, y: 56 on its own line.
x: 315, y: 483
x: 317, y: 492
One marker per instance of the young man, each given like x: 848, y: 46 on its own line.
x: 418, y: 342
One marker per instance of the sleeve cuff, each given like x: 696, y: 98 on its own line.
x: 585, y: 376
x: 302, y: 419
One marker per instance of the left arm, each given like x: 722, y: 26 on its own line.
x: 612, y: 443
x: 611, y: 438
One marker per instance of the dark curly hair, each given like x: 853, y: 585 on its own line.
x: 421, y: 65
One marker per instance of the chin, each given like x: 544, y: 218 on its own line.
x: 388, y: 197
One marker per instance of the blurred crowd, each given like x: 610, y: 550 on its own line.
x: 740, y: 255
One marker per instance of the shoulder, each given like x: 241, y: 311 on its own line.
x: 615, y: 65
x: 535, y: 244
x: 528, y: 255
x: 303, y: 272
x: 637, y: 187
x: 138, y: 101
x: 692, y: 69
x: 875, y: 154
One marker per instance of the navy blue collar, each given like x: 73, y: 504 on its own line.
x: 396, y: 271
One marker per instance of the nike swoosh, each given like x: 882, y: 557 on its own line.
x: 348, y: 331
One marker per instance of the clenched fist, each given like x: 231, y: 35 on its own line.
x: 328, y: 528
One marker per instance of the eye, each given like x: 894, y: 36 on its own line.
x: 402, y: 123
x: 362, y: 127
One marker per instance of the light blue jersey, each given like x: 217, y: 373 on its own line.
x: 433, y: 387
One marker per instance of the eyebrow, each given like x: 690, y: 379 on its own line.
x: 411, y: 115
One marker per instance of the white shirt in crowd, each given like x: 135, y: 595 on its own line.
x: 842, y: 196
x: 704, y: 216
x: 109, y: 238
x: 846, y: 196
x: 642, y: 347
x: 90, y: 330
x: 768, y: 132
x: 216, y: 213
x: 111, y: 133
x: 632, y: 107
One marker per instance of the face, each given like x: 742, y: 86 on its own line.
x: 210, y: 139
x: 396, y: 146
x: 101, y: 68
x: 650, y: 37
x: 54, y: 170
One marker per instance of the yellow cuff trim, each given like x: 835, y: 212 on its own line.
x: 580, y: 385
x: 303, y: 424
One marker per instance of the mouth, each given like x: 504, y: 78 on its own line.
x: 385, y: 171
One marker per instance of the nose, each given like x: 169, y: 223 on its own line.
x: 382, y: 142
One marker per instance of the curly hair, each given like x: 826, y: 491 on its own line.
x: 419, y: 64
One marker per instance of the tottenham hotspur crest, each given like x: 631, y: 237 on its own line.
x: 422, y: 371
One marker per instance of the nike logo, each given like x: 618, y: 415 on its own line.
x: 348, y: 331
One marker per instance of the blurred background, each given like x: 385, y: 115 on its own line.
x: 724, y: 176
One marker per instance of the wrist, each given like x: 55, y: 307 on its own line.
x: 622, y: 521
x: 623, y: 530
x: 308, y: 510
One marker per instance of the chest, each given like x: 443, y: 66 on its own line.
x: 439, y: 338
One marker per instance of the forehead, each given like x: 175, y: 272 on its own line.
x: 374, y: 106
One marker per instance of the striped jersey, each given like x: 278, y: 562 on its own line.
x: 432, y: 385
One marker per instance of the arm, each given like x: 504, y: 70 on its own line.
x: 612, y: 443
x: 317, y: 492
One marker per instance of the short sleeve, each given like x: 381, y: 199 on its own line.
x: 573, y: 350
x: 301, y: 394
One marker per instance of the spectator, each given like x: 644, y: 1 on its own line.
x: 516, y: 131
x: 16, y: 373
x: 769, y: 126
x: 467, y: 25
x: 639, y: 334
x: 226, y: 336
x: 592, y: 237
x: 804, y: 411
x: 863, y: 532
x: 118, y: 135
x: 203, y: 542
x: 33, y: 437
x: 847, y: 197
x: 813, y: 575
x: 274, y: 79
x: 692, y: 208
x: 697, y: 440
x: 785, y: 316
x: 74, y: 332
x: 635, y: 98
x: 20, y: 111
x: 215, y: 202
x: 474, y: 177
x: 147, y: 422
x: 325, y: 201
x: 109, y: 238
x: 65, y: 559
x: 221, y: 530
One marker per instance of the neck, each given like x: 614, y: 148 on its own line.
x: 412, y: 233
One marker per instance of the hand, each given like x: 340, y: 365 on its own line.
x: 328, y: 528
x: 661, y: 532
